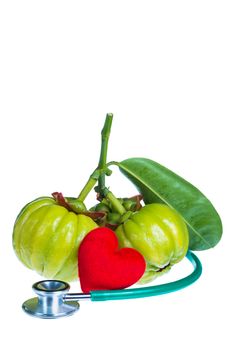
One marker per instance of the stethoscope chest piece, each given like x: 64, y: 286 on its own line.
x: 50, y: 302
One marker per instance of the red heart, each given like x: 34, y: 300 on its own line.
x: 102, y: 265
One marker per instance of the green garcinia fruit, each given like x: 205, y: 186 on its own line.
x: 46, y: 238
x: 159, y: 234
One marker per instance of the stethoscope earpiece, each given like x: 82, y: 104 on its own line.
x: 53, y: 299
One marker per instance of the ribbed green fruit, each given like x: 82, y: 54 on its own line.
x: 159, y: 234
x: 46, y: 238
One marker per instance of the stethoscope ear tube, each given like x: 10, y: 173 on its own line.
x: 145, y: 292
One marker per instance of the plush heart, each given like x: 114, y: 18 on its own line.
x: 102, y: 265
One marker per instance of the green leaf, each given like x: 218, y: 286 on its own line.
x: 159, y: 184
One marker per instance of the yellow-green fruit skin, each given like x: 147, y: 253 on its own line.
x: 46, y: 238
x: 159, y: 233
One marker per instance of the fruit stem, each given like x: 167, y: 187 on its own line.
x: 89, y: 185
x: 114, y: 201
x: 101, y: 171
x: 105, y: 133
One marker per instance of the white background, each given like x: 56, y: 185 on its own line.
x: 164, y: 68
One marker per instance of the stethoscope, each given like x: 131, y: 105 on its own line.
x: 53, y: 299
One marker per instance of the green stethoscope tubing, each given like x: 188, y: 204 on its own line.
x: 144, y: 292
